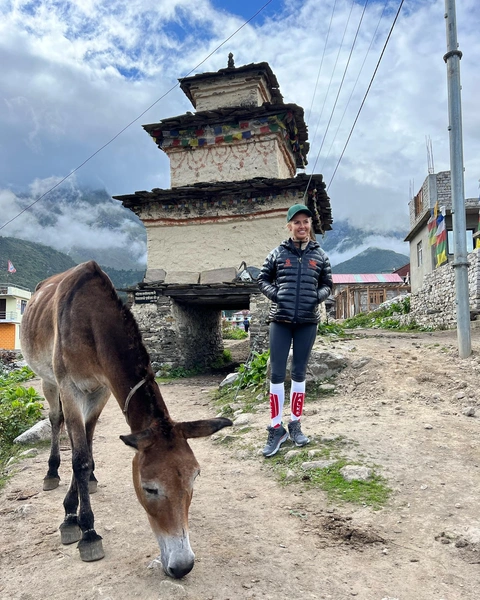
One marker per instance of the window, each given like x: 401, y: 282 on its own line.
x: 450, y: 246
x: 377, y: 297
x: 23, y: 306
x: 418, y: 203
x: 419, y: 254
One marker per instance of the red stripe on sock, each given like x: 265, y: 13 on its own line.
x: 298, y: 398
x: 274, y: 406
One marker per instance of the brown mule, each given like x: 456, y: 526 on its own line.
x: 84, y: 344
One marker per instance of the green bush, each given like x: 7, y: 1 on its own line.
x: 254, y: 373
x: 233, y: 333
x: 20, y: 408
x: 331, y: 329
x: 17, y: 376
x: 224, y: 359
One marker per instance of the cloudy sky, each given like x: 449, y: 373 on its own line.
x: 77, y: 74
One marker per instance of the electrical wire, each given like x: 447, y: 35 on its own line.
x: 341, y: 85
x: 136, y: 119
x: 321, y: 62
x: 366, y: 93
x: 328, y: 89
x: 355, y: 84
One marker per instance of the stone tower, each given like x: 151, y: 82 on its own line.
x: 233, y: 165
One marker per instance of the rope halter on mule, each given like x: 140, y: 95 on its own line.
x: 129, y: 397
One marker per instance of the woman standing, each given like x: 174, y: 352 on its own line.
x: 296, y: 276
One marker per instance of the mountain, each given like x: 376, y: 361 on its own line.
x: 372, y: 260
x: 83, y: 223
x: 35, y: 262
x: 345, y: 241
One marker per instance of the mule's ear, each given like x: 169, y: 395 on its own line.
x: 196, y: 429
x: 139, y: 441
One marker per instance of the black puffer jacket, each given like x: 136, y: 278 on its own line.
x: 296, y: 281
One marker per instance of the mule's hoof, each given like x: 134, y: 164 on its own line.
x: 70, y: 533
x: 92, y: 486
x: 91, y: 549
x: 50, y: 483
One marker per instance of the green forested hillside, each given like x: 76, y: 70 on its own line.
x: 372, y: 260
x: 35, y: 262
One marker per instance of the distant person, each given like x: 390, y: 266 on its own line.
x: 246, y: 324
x: 296, y: 276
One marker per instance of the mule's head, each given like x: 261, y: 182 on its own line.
x: 164, y: 470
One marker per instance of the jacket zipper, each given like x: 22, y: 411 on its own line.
x: 298, y: 288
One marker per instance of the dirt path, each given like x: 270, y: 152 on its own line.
x: 402, y: 411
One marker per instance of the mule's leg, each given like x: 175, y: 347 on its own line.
x: 98, y: 399
x: 50, y: 391
x: 90, y: 546
x: 70, y: 531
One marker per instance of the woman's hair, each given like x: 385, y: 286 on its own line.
x: 313, y: 237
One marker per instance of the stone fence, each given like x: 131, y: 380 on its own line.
x: 435, y: 303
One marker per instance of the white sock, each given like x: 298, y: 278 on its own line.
x: 297, y: 398
x: 277, y: 399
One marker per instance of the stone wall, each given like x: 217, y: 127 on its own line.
x: 179, y: 336
x: 435, y: 305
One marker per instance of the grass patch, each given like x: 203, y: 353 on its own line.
x: 374, y: 492
x: 228, y: 395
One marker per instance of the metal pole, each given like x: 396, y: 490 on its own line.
x: 460, y: 263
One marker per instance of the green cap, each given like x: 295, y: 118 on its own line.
x: 296, y: 208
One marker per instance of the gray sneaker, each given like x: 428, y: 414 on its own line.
x: 276, y: 437
x: 296, y: 434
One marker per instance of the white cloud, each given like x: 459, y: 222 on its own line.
x: 75, y: 73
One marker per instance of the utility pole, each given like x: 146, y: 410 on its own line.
x: 460, y: 263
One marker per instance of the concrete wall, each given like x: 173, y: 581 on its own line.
x: 419, y: 271
x: 265, y: 156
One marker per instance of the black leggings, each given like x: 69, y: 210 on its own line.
x: 281, y: 337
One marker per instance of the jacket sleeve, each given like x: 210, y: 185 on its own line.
x: 325, y: 282
x: 266, y: 278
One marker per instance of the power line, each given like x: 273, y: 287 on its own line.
x: 136, y: 119
x: 366, y: 93
x: 321, y: 62
x: 341, y: 85
x: 328, y: 89
x: 355, y: 84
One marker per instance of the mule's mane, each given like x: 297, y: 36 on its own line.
x: 139, y: 361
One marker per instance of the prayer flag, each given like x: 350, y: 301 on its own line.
x: 477, y: 243
x: 441, y: 243
x: 432, y: 230
x: 11, y: 268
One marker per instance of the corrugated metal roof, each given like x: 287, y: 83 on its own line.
x: 367, y: 278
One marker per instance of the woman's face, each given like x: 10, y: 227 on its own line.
x: 300, y: 227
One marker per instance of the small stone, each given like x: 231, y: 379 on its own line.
x: 241, y: 420
x: 40, y: 432
x: 356, y: 473
x: 229, y: 379
x: 291, y: 454
x: 469, y: 411
x: 29, y: 452
x: 172, y: 590
x: 428, y: 426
